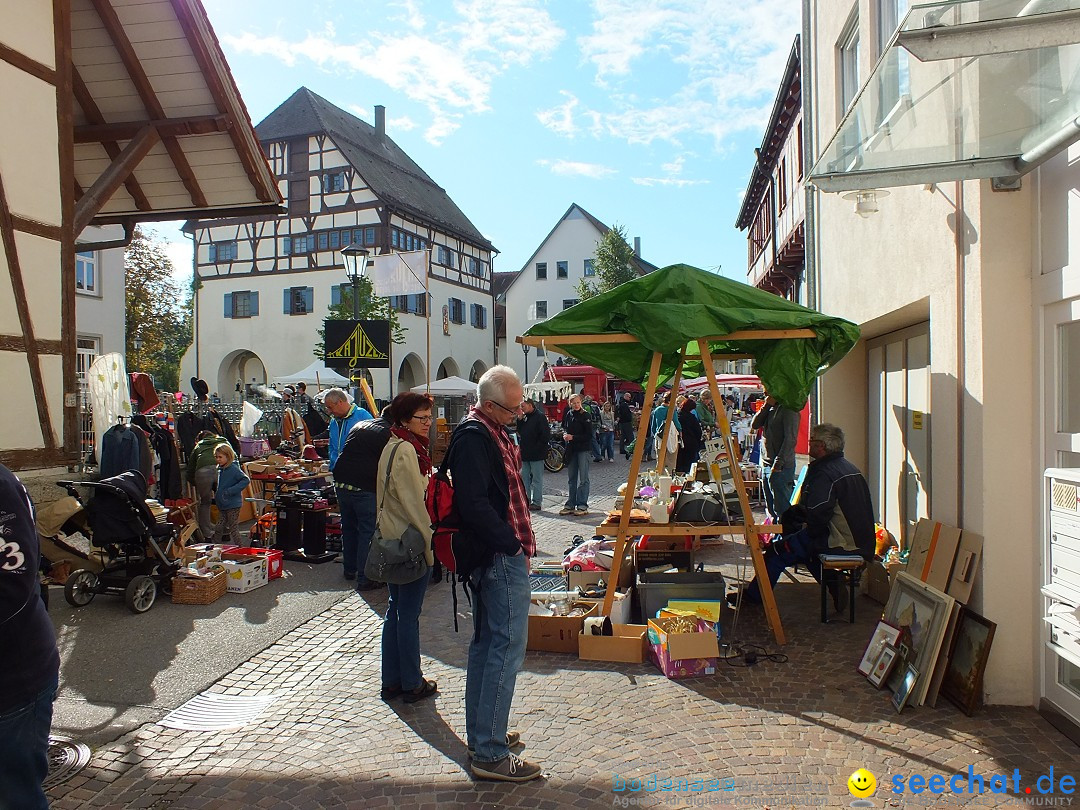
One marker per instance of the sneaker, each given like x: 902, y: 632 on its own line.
x: 566, y: 510
x: 510, y: 769
x: 534, y: 507
x: 581, y: 511
x: 513, y: 738
x: 369, y: 586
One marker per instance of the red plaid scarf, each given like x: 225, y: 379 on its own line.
x: 517, y: 515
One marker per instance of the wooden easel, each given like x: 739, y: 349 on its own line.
x: 750, y: 531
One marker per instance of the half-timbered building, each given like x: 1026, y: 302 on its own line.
x: 265, y: 283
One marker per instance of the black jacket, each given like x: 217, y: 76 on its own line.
x: 835, y: 506
x: 481, y: 491
x: 358, y: 463
x: 534, y: 433
x: 623, y: 412
x: 579, y: 425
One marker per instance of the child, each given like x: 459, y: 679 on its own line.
x: 229, y: 495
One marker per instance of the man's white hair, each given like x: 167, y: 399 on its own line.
x: 335, y: 395
x: 494, y: 382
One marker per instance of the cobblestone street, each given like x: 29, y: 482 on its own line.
x: 790, y: 732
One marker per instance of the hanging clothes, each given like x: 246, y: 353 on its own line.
x: 188, y: 426
x: 293, y: 428
x: 141, y: 388
x: 222, y: 427
x: 120, y: 451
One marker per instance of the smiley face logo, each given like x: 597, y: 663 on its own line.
x: 862, y: 784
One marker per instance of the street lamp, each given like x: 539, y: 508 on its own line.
x: 525, y: 349
x: 138, y: 348
x: 355, y: 258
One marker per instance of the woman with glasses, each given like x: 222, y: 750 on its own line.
x: 406, y: 465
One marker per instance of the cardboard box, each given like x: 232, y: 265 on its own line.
x: 274, y: 566
x: 558, y: 633
x: 879, y: 579
x: 243, y: 574
x: 193, y: 552
x: 966, y: 566
x: 684, y: 655
x: 629, y: 644
x: 620, y: 606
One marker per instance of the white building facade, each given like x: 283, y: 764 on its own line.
x: 547, y: 283
x: 964, y: 387
x: 264, y: 284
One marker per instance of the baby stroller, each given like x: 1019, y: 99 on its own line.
x: 123, y: 526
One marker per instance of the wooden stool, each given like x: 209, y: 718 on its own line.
x: 847, y: 569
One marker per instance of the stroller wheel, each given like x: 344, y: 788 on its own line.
x: 81, y: 588
x: 140, y: 595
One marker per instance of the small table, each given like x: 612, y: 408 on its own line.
x: 845, y: 568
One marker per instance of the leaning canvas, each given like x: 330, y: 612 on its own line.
x: 924, y: 612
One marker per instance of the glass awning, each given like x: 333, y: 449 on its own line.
x: 965, y: 90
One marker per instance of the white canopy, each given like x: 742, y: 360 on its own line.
x: 315, y: 374
x: 722, y: 381
x: 447, y: 387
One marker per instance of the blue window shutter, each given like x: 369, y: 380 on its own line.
x: 228, y: 305
x: 213, y: 252
x: 253, y: 298
x: 286, y: 245
x: 309, y: 299
x: 335, y: 295
x: 288, y: 301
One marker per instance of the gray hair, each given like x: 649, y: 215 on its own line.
x: 830, y: 436
x: 494, y: 382
x: 335, y: 395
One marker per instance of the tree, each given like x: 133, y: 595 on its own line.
x: 611, y: 263
x: 158, y: 311
x: 371, y: 308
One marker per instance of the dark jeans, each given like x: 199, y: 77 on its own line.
x: 24, y: 747
x: 790, y: 550
x: 626, y: 435
x: 357, y: 525
x: 779, y: 485
x: 401, y: 635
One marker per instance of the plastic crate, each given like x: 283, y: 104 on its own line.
x: 656, y: 590
x: 274, y: 564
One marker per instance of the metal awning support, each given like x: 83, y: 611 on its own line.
x: 964, y: 40
x: 916, y: 175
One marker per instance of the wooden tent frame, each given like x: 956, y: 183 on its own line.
x: 621, y: 531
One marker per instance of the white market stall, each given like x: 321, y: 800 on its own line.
x: 315, y: 374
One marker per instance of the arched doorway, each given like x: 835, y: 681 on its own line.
x: 448, y: 368
x: 477, y: 371
x: 243, y: 367
x: 410, y: 373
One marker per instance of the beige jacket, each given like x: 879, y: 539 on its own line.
x: 404, y: 503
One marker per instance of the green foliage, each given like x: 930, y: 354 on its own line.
x: 158, y: 310
x: 611, y: 263
x: 372, y: 308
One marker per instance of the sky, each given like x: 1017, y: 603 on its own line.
x: 644, y: 113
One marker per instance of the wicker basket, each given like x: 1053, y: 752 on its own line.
x: 193, y: 591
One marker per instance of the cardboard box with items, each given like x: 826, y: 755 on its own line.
x: 242, y: 573
x: 554, y: 625
x: 683, y: 647
x: 628, y: 643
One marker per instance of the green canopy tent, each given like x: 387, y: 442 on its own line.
x: 677, y: 321
x: 673, y: 307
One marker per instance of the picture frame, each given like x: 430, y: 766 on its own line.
x: 922, y: 611
x: 883, y: 666
x: 884, y: 635
x: 970, y: 651
x: 906, y: 688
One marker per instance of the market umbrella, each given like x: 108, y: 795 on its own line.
x: 670, y: 308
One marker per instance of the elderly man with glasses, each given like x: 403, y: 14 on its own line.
x: 490, y: 498
x: 834, y: 515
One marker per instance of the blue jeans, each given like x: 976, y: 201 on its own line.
x: 607, y: 444
x: 577, y: 470
x: 780, y: 484
x: 401, y: 635
x: 532, y: 475
x: 357, y: 525
x: 24, y: 746
x: 790, y: 550
x: 500, y: 630
x: 596, y: 451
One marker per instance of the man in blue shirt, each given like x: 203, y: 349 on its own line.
x: 345, y: 415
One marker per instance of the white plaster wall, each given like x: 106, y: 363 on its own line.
x: 103, y: 316
x: 28, y: 151
x: 573, y: 241
x: 28, y: 28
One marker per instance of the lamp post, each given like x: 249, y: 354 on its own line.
x: 138, y: 348
x: 525, y: 349
x: 356, y: 259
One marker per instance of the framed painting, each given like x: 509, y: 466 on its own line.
x: 884, y: 635
x: 883, y: 667
x: 906, y: 688
x: 967, y: 660
x: 923, y: 612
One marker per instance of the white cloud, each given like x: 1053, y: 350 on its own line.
x: 403, y: 124
x: 449, y: 69
x: 677, y: 182
x: 560, y: 120
x: 728, y: 54
x: 675, y: 166
x: 571, y: 168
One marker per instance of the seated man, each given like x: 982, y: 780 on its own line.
x: 834, y: 515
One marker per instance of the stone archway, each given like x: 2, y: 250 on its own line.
x: 477, y: 371
x: 448, y: 368
x: 238, y: 366
x: 410, y: 373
